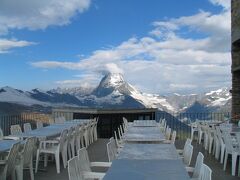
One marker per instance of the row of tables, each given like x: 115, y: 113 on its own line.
x: 47, y: 132
x: 145, y: 156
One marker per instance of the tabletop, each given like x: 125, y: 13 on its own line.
x: 148, y: 151
x: 146, y: 170
x: 144, y: 123
x: 144, y: 134
x: 5, y: 145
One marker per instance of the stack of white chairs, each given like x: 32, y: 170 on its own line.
x: 56, y: 148
x: 27, y: 127
x: 10, y: 166
x: 230, y: 150
x: 119, y: 142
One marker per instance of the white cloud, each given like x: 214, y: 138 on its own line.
x: 7, y: 44
x: 166, y: 61
x: 34, y: 15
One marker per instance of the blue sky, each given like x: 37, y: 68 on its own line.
x: 159, y: 46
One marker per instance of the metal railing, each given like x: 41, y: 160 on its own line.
x: 108, y: 124
x: 7, y: 120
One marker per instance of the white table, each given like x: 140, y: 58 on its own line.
x: 50, y: 131
x: 148, y: 151
x: 125, y: 169
x: 143, y: 134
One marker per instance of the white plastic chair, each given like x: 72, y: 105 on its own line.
x: 234, y: 151
x: 27, y: 127
x: 194, y: 129
x: 173, y: 138
x: 187, y: 154
x: 56, y: 148
x: 84, y: 160
x: 27, y: 156
x: 95, y: 130
x: 180, y: 151
x: 39, y: 124
x: 197, y: 169
x: 1, y: 134
x: 205, y: 173
x: 118, y: 142
x: 75, y: 171
x: 9, y: 166
x: 71, y: 142
x: 16, y: 129
x: 200, y: 133
x: 168, y: 133
x: 111, y: 150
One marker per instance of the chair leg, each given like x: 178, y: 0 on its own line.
x: 45, y: 160
x: 222, y: 153
x: 57, y: 162
x: 31, y: 170
x: 225, y: 161
x: 19, y: 172
x: 37, y: 161
x: 234, y: 161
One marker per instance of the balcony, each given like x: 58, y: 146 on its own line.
x: 97, y: 150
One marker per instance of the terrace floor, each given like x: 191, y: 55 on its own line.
x: 97, y: 152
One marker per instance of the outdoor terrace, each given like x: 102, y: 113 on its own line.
x: 98, y: 152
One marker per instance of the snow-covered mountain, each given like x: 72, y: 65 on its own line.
x: 218, y: 100
x: 114, y: 92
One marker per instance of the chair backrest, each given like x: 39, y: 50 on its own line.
x: 1, y: 134
x: 116, y: 138
x: 27, y: 127
x: 238, y: 138
x: 188, y: 141
x: 187, y: 154
x: 119, y: 134
x: 198, y: 165
x: 205, y: 173
x: 168, y: 133
x: 60, y: 119
x: 173, y: 137
x: 63, y: 139
x: 11, y: 159
x: 39, y: 124
x: 28, y: 149
x: 110, y: 152
x: 15, y: 129
x: 84, y: 160
x: 74, y: 172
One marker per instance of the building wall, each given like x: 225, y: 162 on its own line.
x: 235, y: 58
